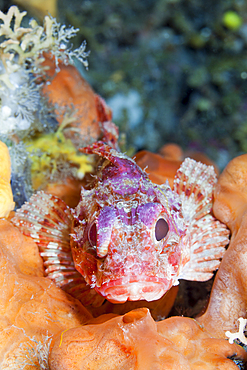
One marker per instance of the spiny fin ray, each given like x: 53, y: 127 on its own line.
x: 48, y: 220
x: 194, y: 183
x: 208, y: 240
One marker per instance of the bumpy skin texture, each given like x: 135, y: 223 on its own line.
x: 136, y: 342
x: 130, y: 238
x: 228, y: 299
x: 113, y: 241
x: 32, y: 308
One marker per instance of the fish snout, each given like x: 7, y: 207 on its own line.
x: 134, y: 289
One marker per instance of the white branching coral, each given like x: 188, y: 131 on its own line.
x: 62, y: 35
x: 240, y: 334
x: 26, y: 44
x: 21, y: 57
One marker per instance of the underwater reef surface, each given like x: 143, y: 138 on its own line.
x: 230, y: 282
x: 42, y: 326
x: 135, y: 342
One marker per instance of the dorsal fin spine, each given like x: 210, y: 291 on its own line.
x: 194, y: 183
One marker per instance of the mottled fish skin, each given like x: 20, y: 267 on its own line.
x: 130, y: 239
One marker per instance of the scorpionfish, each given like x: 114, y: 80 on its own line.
x: 128, y: 238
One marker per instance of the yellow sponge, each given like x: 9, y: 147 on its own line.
x: 6, y: 196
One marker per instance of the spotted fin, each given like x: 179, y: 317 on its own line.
x: 194, y: 183
x: 208, y: 238
x: 47, y: 219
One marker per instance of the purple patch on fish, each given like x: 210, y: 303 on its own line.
x: 149, y: 212
x: 105, y: 223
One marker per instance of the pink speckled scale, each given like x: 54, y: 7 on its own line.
x: 128, y: 239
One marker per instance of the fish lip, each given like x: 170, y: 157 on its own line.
x: 134, y: 289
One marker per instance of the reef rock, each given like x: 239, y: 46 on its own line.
x: 70, y: 93
x: 135, y: 341
x: 228, y: 300
x: 174, y: 152
x: 81, y: 112
x: 163, y: 166
x: 159, y: 169
x: 32, y: 308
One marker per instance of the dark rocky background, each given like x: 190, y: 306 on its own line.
x: 171, y: 70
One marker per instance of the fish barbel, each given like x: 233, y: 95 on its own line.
x: 128, y: 238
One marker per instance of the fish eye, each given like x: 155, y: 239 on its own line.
x: 92, y: 234
x: 161, y: 229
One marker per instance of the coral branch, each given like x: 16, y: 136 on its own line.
x: 240, y: 334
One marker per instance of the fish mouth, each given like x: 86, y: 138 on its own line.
x: 119, y: 291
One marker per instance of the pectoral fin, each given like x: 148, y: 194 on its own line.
x: 48, y: 220
x: 208, y: 239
